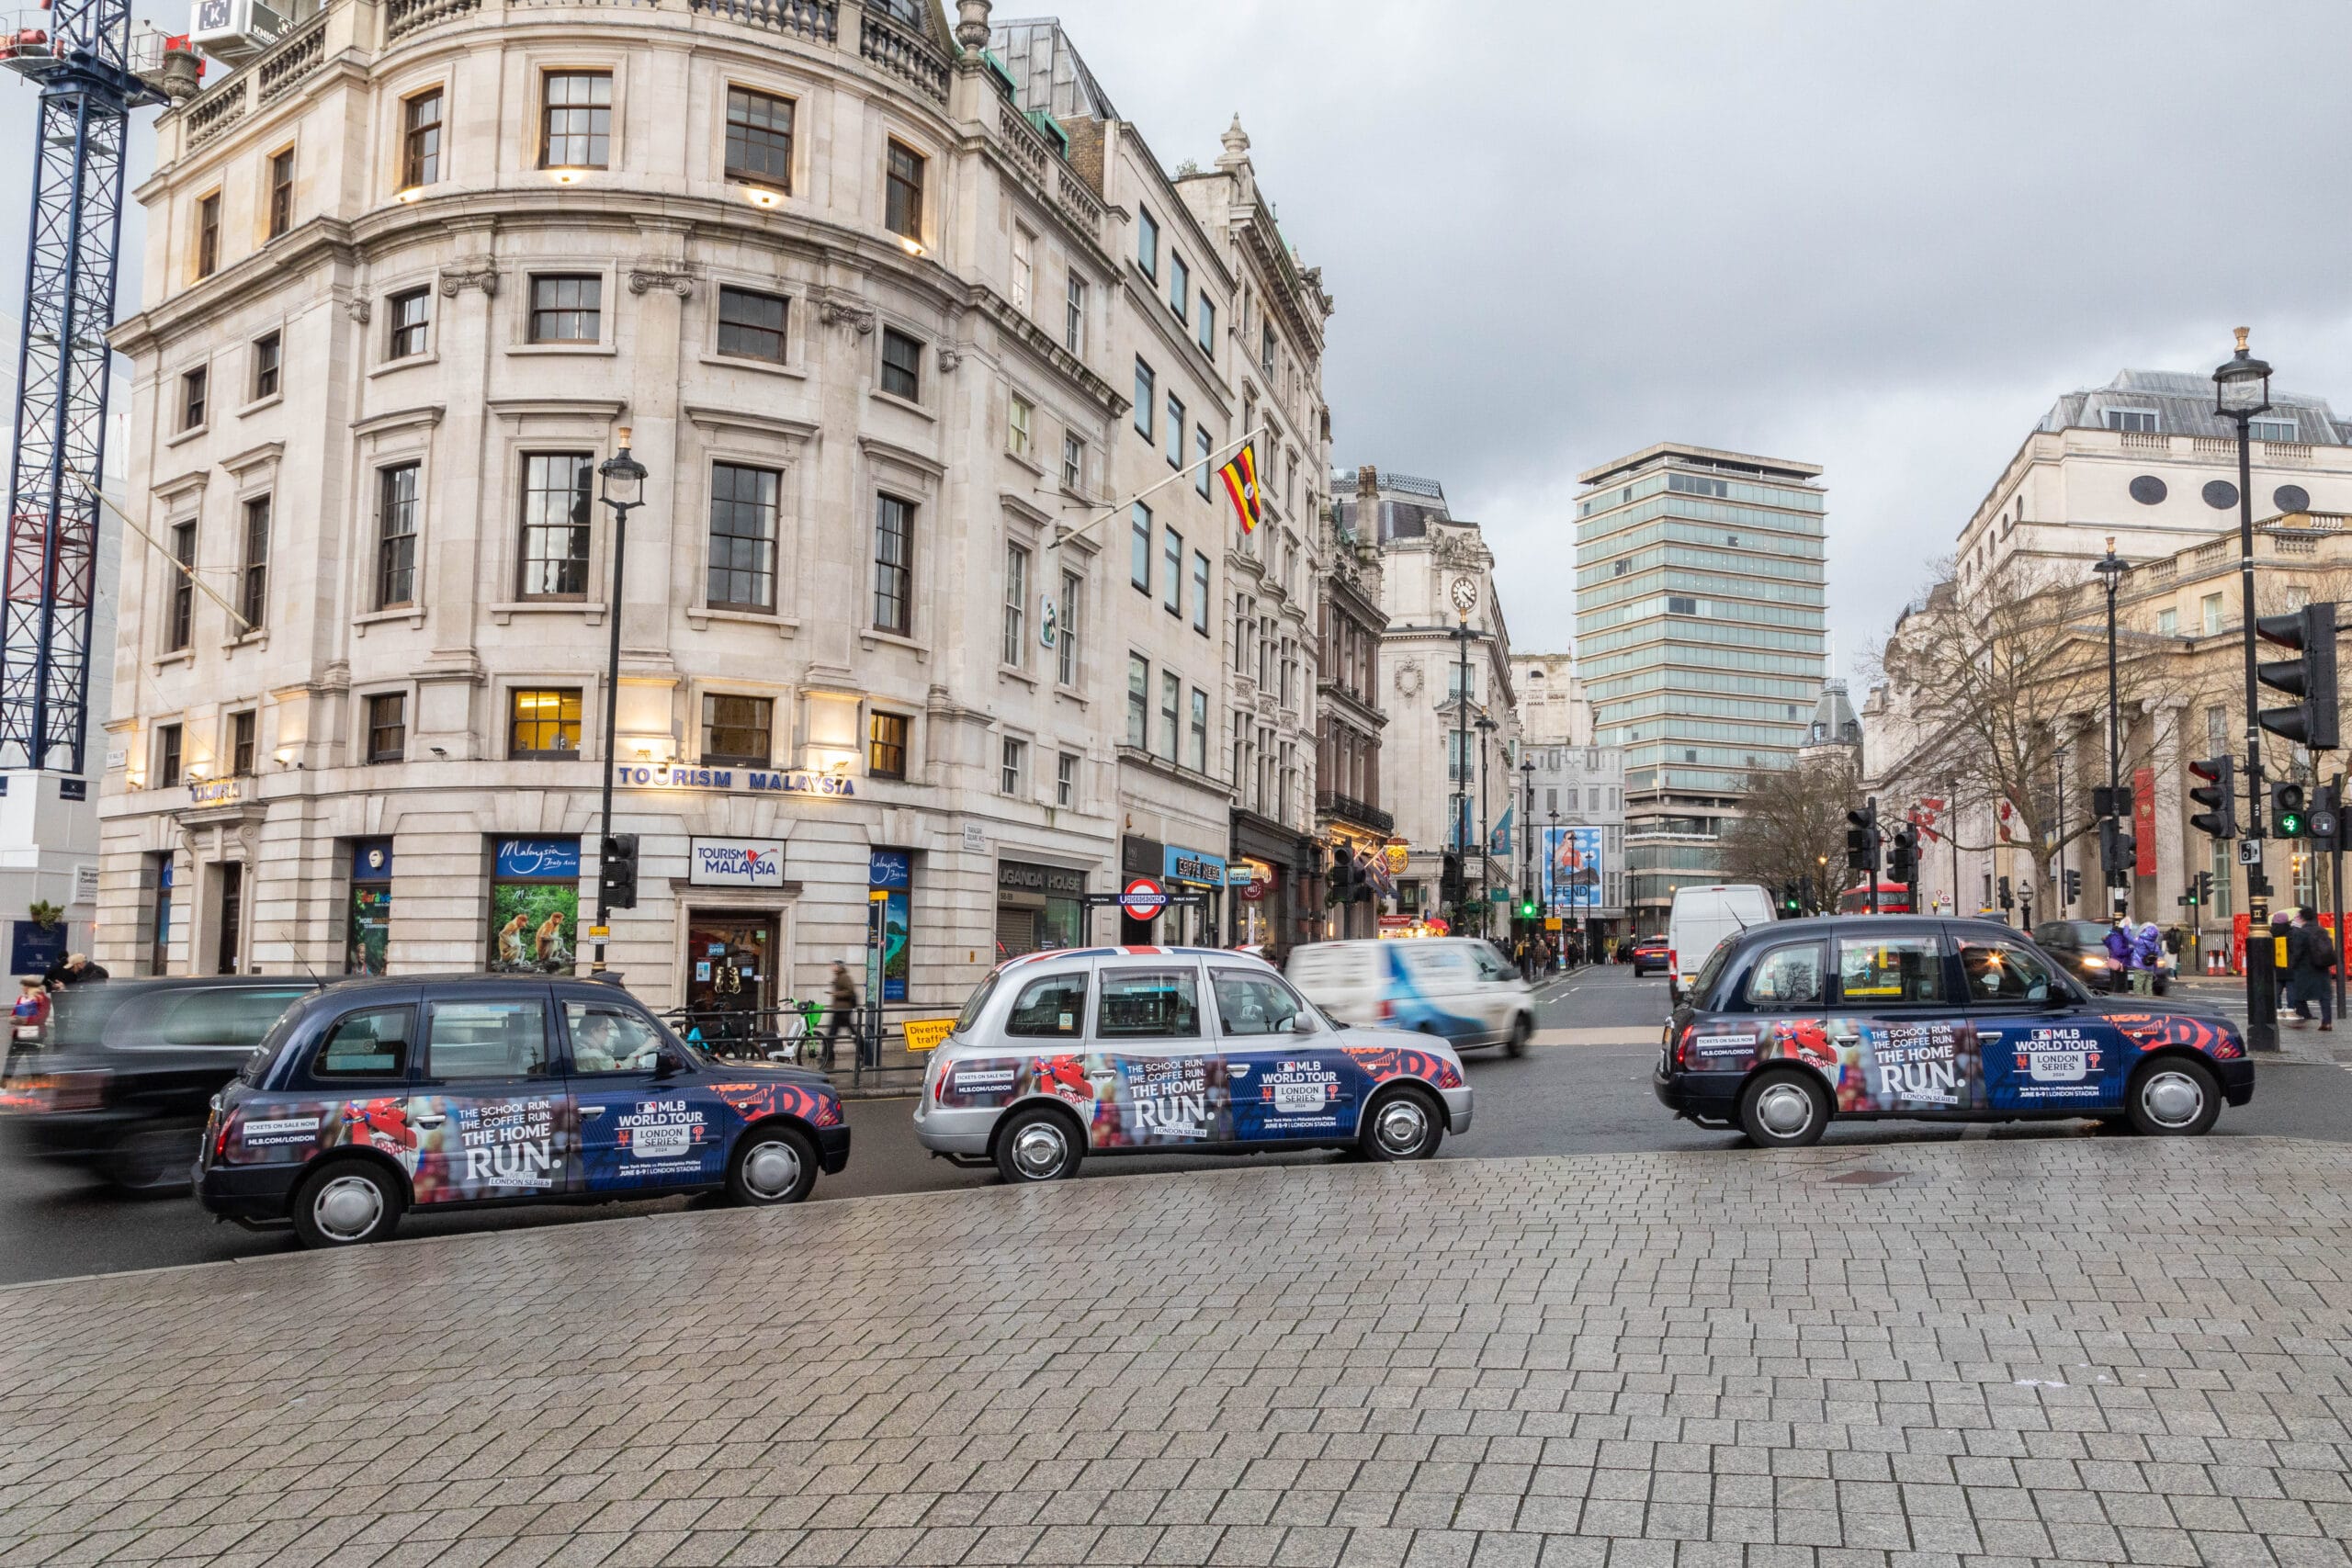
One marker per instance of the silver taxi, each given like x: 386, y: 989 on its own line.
x: 1143, y: 1050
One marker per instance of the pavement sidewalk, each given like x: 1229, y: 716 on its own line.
x: 2096, y: 1350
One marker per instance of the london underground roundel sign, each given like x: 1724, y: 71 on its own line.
x: 1143, y: 898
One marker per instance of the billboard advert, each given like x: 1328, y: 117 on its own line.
x: 1571, y: 876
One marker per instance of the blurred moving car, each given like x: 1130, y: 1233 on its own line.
x: 465, y: 1091
x: 1156, y: 1050
x: 1650, y: 956
x: 1458, y: 988
x: 2080, y: 946
x: 120, y: 1086
x: 1896, y: 1016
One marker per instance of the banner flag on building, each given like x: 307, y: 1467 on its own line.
x: 1500, y: 844
x: 1241, y: 477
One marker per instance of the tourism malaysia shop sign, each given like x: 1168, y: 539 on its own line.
x: 732, y: 781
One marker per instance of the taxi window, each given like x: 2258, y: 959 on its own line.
x: 1891, y: 971
x: 971, y: 1013
x: 1790, y: 976
x: 370, y: 1045
x: 610, y: 1039
x: 500, y: 1039
x: 2008, y: 972
x: 1703, y: 984
x: 1251, y: 1003
x: 1053, y: 1008
x: 1149, y: 1004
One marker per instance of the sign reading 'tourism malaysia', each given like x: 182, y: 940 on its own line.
x: 756, y: 780
x: 735, y: 863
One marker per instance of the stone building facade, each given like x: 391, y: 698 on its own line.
x: 1450, y: 748
x: 873, y: 326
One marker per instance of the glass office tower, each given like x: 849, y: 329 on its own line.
x: 1699, y: 593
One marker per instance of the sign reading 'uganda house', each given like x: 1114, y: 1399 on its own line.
x: 758, y: 780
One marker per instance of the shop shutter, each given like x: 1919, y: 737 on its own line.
x: 1016, y: 932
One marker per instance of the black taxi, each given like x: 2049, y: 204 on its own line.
x: 1911, y: 1018
x: 452, y: 1091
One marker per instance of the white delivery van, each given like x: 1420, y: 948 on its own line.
x: 1458, y: 988
x: 1704, y: 915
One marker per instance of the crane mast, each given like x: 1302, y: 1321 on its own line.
x: 80, y: 60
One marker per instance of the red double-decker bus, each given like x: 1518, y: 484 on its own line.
x: 1893, y: 899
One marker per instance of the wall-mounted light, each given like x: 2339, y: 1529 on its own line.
x: 412, y: 194
x: 761, y: 196
x: 913, y: 248
x: 564, y: 176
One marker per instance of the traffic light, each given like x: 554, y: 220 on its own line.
x: 2324, y: 822
x: 2309, y: 678
x: 1528, y: 909
x: 2217, y: 794
x: 1341, y: 881
x: 2118, y: 853
x: 1903, y: 854
x: 1793, y: 899
x: 2006, y: 902
x: 2073, y: 893
x: 1861, y: 839
x: 616, y: 872
x: 2286, y: 818
x: 1449, y: 878
x: 2205, y: 888
x: 2190, y: 898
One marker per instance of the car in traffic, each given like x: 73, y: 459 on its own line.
x: 2080, y: 946
x: 1459, y: 989
x: 1650, y: 956
x: 120, y: 1085
x: 1794, y: 1024
x: 1058, y: 1057
x: 454, y: 1092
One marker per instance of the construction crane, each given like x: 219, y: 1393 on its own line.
x: 79, y: 53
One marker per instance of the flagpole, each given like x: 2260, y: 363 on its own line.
x: 1114, y: 508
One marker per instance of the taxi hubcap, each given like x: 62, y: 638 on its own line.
x: 772, y: 1169
x: 347, y: 1208
x: 1039, y: 1149
x: 1784, y: 1108
x: 1402, y: 1125
x: 2173, y: 1099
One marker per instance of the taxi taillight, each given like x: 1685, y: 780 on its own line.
x: 222, y: 1121
x: 1682, y: 1046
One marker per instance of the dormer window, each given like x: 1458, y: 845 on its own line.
x: 2132, y: 422
x: 2273, y: 429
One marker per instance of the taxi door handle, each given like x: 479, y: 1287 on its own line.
x: 430, y: 1121
x: 1842, y: 1031
x: 592, y: 1111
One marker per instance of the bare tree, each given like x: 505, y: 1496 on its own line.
x: 1792, y: 826
x: 1998, y: 676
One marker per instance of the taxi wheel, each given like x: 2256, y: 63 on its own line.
x: 2174, y: 1097
x: 772, y: 1165
x: 1038, y: 1144
x: 1404, y: 1123
x: 1520, y: 1032
x: 1788, y: 1108
x: 346, y: 1203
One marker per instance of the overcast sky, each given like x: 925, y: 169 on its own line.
x: 1876, y: 237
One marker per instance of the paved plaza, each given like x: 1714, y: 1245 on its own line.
x: 2076, y: 1349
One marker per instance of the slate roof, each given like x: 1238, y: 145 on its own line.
x: 2183, y: 402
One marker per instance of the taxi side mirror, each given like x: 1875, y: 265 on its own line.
x: 1302, y: 1023
x: 666, y: 1063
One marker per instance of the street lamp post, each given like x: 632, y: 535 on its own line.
x: 1486, y: 727
x: 623, y: 491
x: 2241, y: 390
x: 2058, y: 763
x: 2110, y: 568
x: 1464, y: 595
x: 1551, y: 897
x: 1527, y: 843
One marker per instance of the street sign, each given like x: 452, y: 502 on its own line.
x: 1143, y: 898
x: 1551, y: 922
x: 2249, y: 851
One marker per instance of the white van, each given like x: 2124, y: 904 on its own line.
x: 1458, y: 988
x: 1705, y: 916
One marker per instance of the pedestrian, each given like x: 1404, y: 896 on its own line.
x: 844, y: 1014
x: 31, y: 1011
x: 73, y: 969
x: 2313, y: 962
x: 2282, y: 929
x: 2147, y: 957
x: 2119, y: 955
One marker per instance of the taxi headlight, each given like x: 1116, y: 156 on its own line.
x: 2091, y: 961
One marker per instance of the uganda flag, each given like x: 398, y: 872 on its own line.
x: 1241, y: 477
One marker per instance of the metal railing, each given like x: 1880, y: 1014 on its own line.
x: 873, y: 1047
